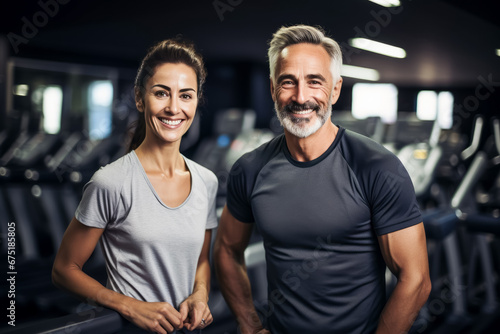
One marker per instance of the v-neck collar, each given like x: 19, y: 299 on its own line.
x: 153, y: 190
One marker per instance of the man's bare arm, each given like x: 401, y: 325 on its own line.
x: 232, y: 239
x: 405, y: 253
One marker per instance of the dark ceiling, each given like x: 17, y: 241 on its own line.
x: 448, y: 43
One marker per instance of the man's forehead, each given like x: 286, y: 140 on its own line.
x: 302, y: 47
x: 284, y: 53
x: 308, y: 55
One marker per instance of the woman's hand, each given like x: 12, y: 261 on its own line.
x: 157, y: 317
x: 195, y: 312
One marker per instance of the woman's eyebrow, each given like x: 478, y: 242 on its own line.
x: 161, y: 86
x: 169, y: 89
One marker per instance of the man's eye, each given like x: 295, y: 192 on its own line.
x: 315, y: 82
x: 287, y: 83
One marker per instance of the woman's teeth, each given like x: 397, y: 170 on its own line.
x: 169, y: 122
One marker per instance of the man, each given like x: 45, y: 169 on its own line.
x: 333, y: 208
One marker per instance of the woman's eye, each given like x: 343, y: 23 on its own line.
x: 186, y: 96
x: 161, y: 93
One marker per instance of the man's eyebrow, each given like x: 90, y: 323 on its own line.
x: 316, y: 76
x: 292, y: 77
x: 286, y: 76
x: 169, y: 89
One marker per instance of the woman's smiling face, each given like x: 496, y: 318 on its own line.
x: 169, y: 102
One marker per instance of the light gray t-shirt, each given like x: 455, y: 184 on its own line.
x: 151, y: 250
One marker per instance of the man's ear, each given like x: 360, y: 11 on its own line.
x: 272, y: 89
x: 336, y: 91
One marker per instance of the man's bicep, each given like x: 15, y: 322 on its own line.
x: 232, y: 233
x: 405, y: 250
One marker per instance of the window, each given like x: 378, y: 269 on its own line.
x: 62, y: 96
x: 52, y: 109
x: 100, y: 98
x: 370, y: 100
x: 432, y: 105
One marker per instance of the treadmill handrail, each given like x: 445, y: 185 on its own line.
x: 476, y: 137
x: 96, y: 320
x: 470, y: 179
x: 496, y: 133
x: 435, y: 134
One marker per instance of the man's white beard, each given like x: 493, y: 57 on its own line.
x: 300, y: 127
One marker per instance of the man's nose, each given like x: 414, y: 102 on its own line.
x: 301, y: 92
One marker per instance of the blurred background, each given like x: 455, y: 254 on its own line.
x: 420, y: 77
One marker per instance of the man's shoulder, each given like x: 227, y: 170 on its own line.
x: 259, y: 157
x: 361, y: 151
x: 373, y: 165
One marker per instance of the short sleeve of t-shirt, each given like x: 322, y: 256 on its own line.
x: 212, y: 214
x: 99, y: 200
x: 394, y: 203
x: 386, y: 183
x: 212, y: 185
x: 243, y: 176
x: 238, y: 196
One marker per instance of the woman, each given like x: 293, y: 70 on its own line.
x: 152, y: 209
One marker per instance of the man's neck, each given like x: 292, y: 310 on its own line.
x: 312, y: 147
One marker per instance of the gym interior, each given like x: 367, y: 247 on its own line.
x: 67, y: 105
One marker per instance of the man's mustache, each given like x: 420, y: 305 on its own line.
x: 294, y: 106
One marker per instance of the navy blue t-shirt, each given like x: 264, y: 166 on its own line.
x: 319, y: 221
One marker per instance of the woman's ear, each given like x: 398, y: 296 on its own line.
x: 139, y: 100
x: 139, y: 105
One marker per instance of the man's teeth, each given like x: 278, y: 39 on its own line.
x: 303, y: 112
x: 169, y: 122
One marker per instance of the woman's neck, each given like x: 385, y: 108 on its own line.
x: 160, y: 158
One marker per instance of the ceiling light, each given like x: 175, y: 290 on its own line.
x: 387, y: 3
x: 377, y: 47
x: 359, y: 73
x: 498, y: 52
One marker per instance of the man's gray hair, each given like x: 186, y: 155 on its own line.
x: 297, y: 34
